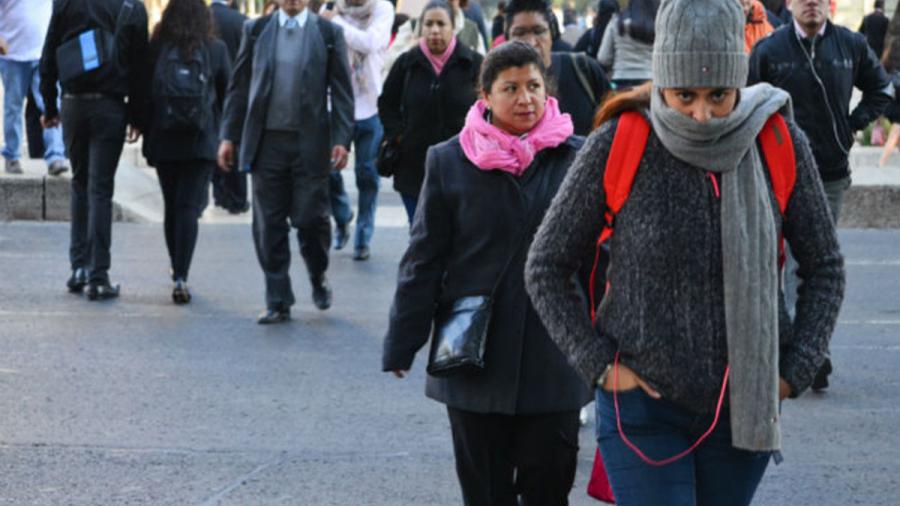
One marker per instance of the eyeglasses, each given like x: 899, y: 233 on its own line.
x: 521, y: 33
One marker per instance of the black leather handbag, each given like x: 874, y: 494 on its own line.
x: 389, y: 151
x: 460, y: 331
x: 388, y: 156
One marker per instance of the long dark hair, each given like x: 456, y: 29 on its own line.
x: 186, y: 24
x: 605, y: 11
x: 638, y: 20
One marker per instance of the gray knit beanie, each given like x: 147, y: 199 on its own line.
x: 699, y: 44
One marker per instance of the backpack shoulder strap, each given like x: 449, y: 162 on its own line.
x: 622, y: 164
x: 582, y: 76
x: 778, y: 150
x: 624, y: 158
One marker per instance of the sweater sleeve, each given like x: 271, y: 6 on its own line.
x: 811, y: 235
x: 568, y: 232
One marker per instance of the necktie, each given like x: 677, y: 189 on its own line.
x: 291, y: 24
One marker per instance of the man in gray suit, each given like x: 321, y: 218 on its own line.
x: 290, y: 63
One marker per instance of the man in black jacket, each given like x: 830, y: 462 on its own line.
x: 819, y: 64
x: 580, y: 81
x: 874, y: 26
x: 95, y: 115
x: 229, y: 188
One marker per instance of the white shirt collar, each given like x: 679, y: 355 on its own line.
x: 301, y: 18
x: 802, y: 34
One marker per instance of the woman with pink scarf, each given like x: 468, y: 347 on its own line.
x: 425, y: 99
x: 514, y: 422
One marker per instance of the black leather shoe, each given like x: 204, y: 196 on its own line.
x: 239, y: 208
x: 321, y: 293
x: 820, y: 382
x: 342, y: 234
x: 102, y: 291
x: 180, y: 293
x: 361, y: 254
x: 77, y: 280
x: 274, y: 315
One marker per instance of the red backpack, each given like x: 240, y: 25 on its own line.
x: 622, y: 164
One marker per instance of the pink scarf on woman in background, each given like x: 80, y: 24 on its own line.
x: 437, y: 62
x: 491, y: 148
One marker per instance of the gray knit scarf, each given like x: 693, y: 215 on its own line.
x: 749, y: 250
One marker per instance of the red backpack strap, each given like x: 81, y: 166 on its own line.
x: 622, y: 164
x: 624, y: 158
x: 778, y: 150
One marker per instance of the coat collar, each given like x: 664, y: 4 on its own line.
x: 460, y: 53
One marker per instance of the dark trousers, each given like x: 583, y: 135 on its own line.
x: 288, y: 186
x: 185, y: 189
x: 410, y: 203
x: 229, y: 189
x: 94, y: 132
x: 502, y: 459
x: 715, y: 474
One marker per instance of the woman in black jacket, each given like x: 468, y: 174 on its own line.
x: 190, y: 75
x: 485, y: 192
x: 426, y: 96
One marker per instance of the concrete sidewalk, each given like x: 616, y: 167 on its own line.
x: 37, y: 196
x: 872, y: 202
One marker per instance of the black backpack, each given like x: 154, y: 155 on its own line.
x: 181, y: 90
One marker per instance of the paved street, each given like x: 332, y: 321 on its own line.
x: 137, y: 401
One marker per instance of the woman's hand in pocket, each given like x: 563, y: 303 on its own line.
x: 627, y: 380
x: 784, y: 389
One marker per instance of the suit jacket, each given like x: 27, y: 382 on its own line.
x: 229, y: 26
x: 247, y: 101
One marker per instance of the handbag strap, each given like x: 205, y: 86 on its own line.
x: 515, y: 251
x: 122, y: 18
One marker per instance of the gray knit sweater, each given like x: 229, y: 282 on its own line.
x: 664, y: 311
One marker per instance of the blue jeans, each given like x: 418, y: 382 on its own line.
x: 18, y: 77
x: 716, y: 473
x: 410, y: 203
x: 367, y: 136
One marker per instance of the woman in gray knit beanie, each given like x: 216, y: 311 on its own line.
x: 693, y: 350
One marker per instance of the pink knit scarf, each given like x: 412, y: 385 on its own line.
x: 437, y: 62
x: 491, y: 148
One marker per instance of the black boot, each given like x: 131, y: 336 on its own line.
x: 77, y: 280
x: 180, y: 293
x: 820, y: 382
x: 102, y: 291
x: 321, y: 292
x: 273, y: 315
